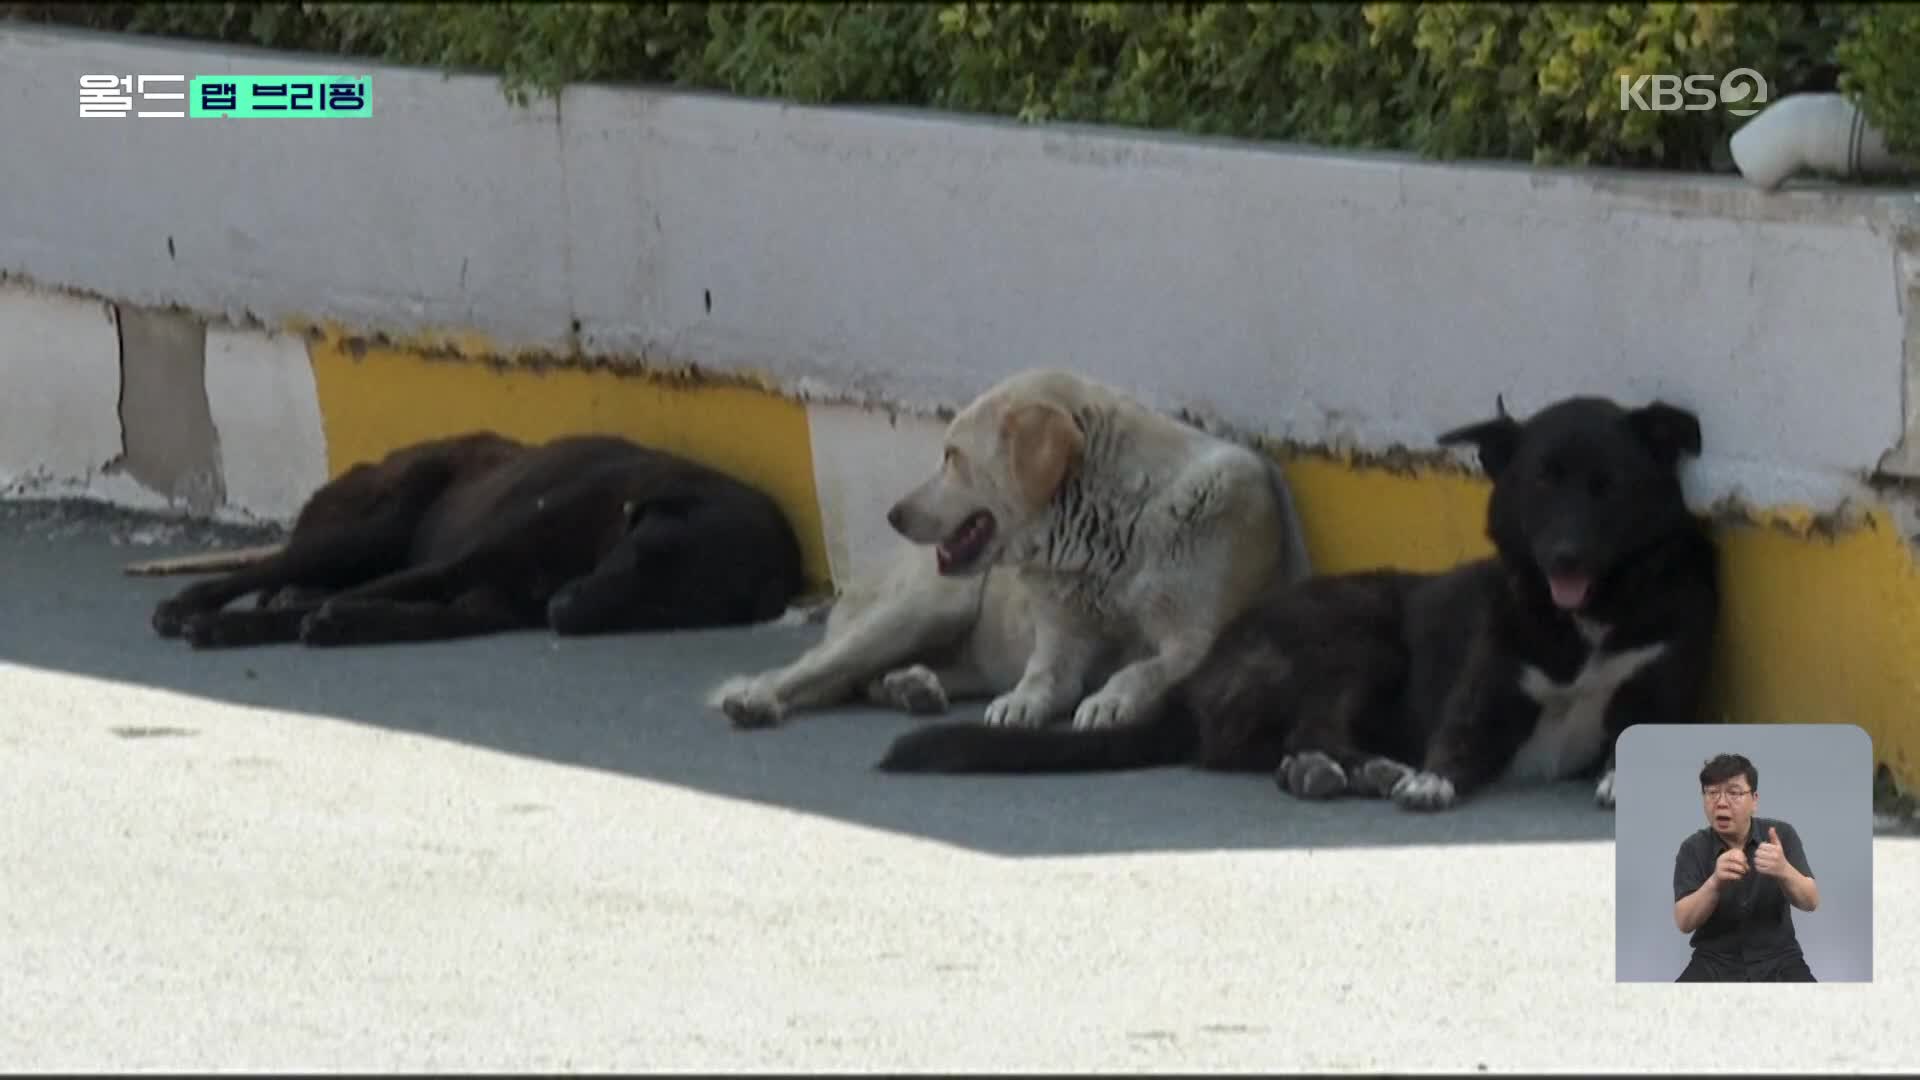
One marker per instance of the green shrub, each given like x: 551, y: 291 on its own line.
x: 1289, y: 71
x: 1543, y: 81
x: 1881, y: 71
x: 1514, y: 81
x: 269, y: 25
x: 537, y: 47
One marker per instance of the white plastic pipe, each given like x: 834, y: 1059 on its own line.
x: 1822, y: 133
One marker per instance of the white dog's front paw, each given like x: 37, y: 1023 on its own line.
x: 914, y: 690
x: 1103, y: 710
x: 1016, y: 709
x: 1423, y: 791
x: 1603, y: 791
x: 748, y: 701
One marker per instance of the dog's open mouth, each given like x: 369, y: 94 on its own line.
x: 964, y: 546
x: 1569, y: 590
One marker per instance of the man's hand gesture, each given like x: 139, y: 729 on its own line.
x: 1769, y: 858
x: 1730, y: 867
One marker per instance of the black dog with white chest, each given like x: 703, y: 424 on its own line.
x: 1597, y: 610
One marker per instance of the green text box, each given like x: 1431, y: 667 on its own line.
x: 252, y: 97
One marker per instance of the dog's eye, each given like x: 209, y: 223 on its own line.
x: 1599, y: 484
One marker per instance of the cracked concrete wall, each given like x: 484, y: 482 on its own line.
x: 1904, y: 459
x: 154, y: 409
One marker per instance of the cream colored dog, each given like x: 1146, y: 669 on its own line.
x: 1080, y: 541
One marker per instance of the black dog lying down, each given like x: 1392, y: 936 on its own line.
x: 1597, y: 611
x: 479, y: 534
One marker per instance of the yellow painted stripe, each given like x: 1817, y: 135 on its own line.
x: 1358, y: 517
x: 375, y: 399
x: 1819, y: 630
x: 1812, y: 629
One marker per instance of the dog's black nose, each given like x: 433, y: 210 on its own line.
x: 1564, y: 559
x: 895, y: 518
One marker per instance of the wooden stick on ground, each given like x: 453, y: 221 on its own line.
x: 206, y: 562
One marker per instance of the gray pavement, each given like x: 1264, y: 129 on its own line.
x: 516, y: 853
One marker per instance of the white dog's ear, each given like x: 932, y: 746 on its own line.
x: 1043, y: 443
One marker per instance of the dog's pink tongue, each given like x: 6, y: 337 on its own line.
x: 1569, y: 590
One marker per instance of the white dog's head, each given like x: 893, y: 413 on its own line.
x: 1006, y: 456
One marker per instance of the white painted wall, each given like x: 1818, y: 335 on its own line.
x: 446, y: 207
x: 864, y: 460
x: 59, y: 391
x: 266, y: 416
x: 1356, y: 300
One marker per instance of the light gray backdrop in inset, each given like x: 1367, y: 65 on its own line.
x: 1816, y: 777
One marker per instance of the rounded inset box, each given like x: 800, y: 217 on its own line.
x: 1743, y: 853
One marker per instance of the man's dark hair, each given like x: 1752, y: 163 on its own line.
x: 1724, y: 767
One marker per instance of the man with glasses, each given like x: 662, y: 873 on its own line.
x: 1734, y: 882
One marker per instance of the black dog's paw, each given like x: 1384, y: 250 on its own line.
x: 204, y: 630
x: 1311, y: 775
x: 327, y: 625
x: 1379, y: 776
x: 1424, y: 791
x: 170, y: 616
x: 170, y: 619
x: 291, y: 596
x: 563, y: 609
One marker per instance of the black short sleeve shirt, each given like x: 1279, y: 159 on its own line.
x: 1753, y: 922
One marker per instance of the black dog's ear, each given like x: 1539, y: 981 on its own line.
x: 1496, y: 439
x: 1668, y: 431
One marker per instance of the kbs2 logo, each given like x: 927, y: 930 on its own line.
x: 1742, y: 91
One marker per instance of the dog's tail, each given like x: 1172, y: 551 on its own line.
x: 206, y: 562
x: 1168, y: 739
